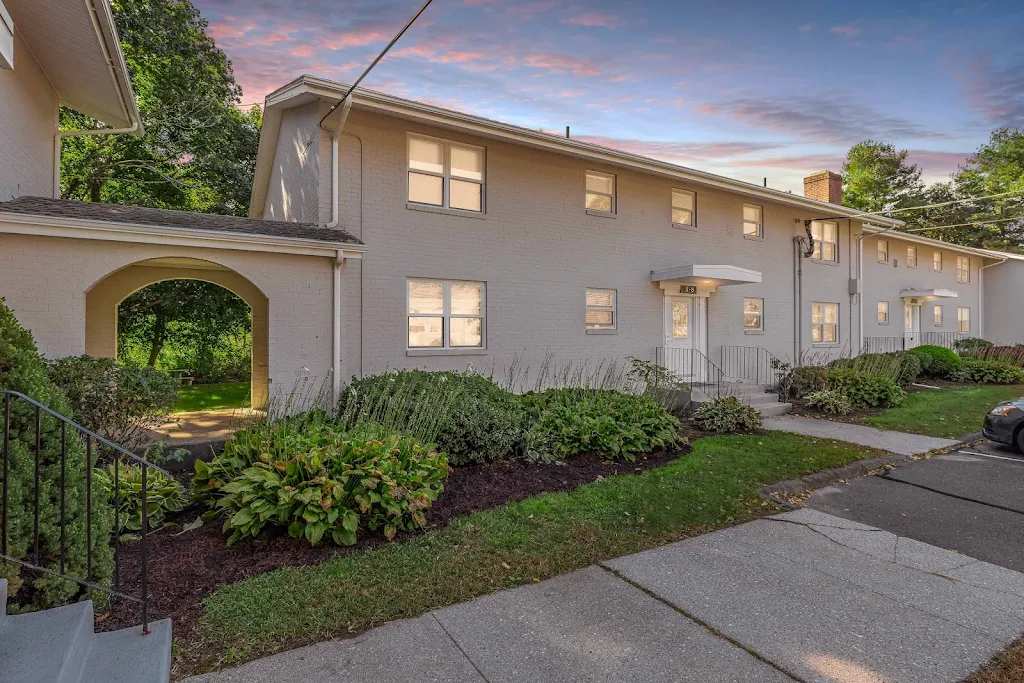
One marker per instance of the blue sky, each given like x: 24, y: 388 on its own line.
x: 746, y: 89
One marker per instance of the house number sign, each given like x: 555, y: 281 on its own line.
x: 687, y: 289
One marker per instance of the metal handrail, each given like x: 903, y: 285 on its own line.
x: 946, y: 339
x: 699, y: 371
x: 884, y: 344
x: 118, y: 453
x: 752, y: 362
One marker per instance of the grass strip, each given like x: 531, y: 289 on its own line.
x: 712, y: 487
x: 949, y: 412
x: 198, y: 397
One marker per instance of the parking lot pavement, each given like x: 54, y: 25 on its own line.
x: 971, y: 502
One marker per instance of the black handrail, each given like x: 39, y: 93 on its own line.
x: 693, y: 367
x: 946, y: 339
x: 118, y: 453
x: 884, y: 344
x: 752, y: 362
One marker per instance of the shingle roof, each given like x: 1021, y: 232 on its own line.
x: 163, y: 218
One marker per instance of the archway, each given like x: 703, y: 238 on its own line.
x: 104, y: 297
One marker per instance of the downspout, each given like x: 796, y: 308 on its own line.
x: 798, y: 293
x: 860, y: 292
x: 981, y: 296
x: 346, y: 107
x: 340, y: 258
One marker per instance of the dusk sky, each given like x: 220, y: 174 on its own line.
x: 745, y: 89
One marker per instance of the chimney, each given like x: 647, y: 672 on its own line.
x: 825, y: 186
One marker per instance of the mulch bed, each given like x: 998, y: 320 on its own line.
x: 185, y: 568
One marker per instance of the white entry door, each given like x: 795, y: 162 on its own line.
x: 911, y: 325
x: 684, y: 337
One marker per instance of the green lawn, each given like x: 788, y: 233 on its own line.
x: 212, y: 396
x: 949, y: 412
x: 714, y: 486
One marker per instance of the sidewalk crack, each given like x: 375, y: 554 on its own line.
x: 459, y: 647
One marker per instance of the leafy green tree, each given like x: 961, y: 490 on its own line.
x: 878, y: 178
x: 199, y: 150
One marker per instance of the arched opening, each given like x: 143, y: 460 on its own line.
x: 211, y: 291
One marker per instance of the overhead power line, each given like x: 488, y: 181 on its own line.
x: 954, y: 201
x: 962, y: 225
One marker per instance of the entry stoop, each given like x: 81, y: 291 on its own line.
x: 755, y: 395
x: 59, y: 646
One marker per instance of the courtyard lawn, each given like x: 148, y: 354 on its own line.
x: 212, y: 397
x: 949, y: 412
x: 714, y: 486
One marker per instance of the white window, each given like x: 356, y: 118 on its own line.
x: 601, y: 309
x: 883, y: 251
x: 937, y: 261
x: 446, y: 314
x: 753, y: 224
x: 825, y: 323
x: 6, y: 39
x: 753, y: 314
x: 911, y: 257
x: 937, y: 315
x: 447, y: 174
x: 825, y: 235
x: 600, y: 194
x: 883, y: 312
x: 684, y: 207
x: 963, y: 320
x: 963, y: 269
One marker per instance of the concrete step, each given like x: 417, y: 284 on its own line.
x: 774, y: 409
x: 127, y: 656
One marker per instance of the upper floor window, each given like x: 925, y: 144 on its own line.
x: 684, y: 206
x: 601, y: 309
x: 911, y: 257
x: 753, y: 315
x: 883, y: 312
x: 825, y: 323
x: 963, y: 320
x: 600, y: 192
x: 883, y: 251
x: 937, y: 261
x: 446, y: 174
x: 963, y: 269
x: 753, y: 224
x: 445, y: 314
x: 826, y: 240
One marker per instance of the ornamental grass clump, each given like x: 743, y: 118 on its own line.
x: 314, y: 479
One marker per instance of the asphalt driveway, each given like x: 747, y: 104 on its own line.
x: 970, y: 502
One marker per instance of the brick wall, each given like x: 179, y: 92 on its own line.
x: 28, y: 122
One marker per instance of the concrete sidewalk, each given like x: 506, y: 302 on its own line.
x: 894, y: 442
x: 803, y: 596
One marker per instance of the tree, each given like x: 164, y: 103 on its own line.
x: 877, y: 178
x: 199, y: 151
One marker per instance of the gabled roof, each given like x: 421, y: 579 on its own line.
x: 921, y: 239
x: 75, y: 43
x: 307, y: 89
x: 138, y: 217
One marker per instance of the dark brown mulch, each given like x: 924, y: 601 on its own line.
x: 185, y: 568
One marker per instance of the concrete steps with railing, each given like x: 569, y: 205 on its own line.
x: 59, y: 645
x: 752, y: 394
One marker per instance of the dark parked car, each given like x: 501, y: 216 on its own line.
x: 1005, y: 423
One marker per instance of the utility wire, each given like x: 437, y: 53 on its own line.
x: 961, y: 225
x: 955, y: 201
x: 374, y: 63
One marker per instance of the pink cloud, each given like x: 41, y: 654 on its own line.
x: 556, y: 62
x: 593, y: 19
x: 805, y: 28
x: 848, y: 30
x: 531, y: 9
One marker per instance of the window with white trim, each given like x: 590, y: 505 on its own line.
x: 753, y: 221
x: 883, y: 251
x: 753, y: 315
x: 446, y: 174
x: 601, y: 309
x: 684, y: 208
x: 825, y: 235
x: 963, y: 269
x: 446, y: 314
x: 937, y: 315
x: 825, y: 323
x: 911, y: 257
x: 937, y: 261
x: 963, y: 320
x: 600, y: 194
x: 883, y: 312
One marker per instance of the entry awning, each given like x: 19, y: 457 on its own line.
x: 715, y: 276
x: 928, y: 294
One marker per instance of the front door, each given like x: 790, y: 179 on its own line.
x: 911, y: 325
x: 684, y: 333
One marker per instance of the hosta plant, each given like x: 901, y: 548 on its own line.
x: 163, y: 495
x: 988, y: 372
x: 323, y: 482
x: 829, y: 402
x: 726, y: 415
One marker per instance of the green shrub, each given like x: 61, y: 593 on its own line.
x: 970, y: 344
x: 468, y: 416
x: 808, y: 379
x: 830, y: 402
x: 656, y: 382
x: 163, y: 495
x: 936, y: 361
x: 988, y: 372
x: 119, y: 401
x: 614, y: 424
x: 22, y: 369
x: 864, y: 390
x: 315, y: 479
x: 1013, y: 355
x: 727, y: 415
